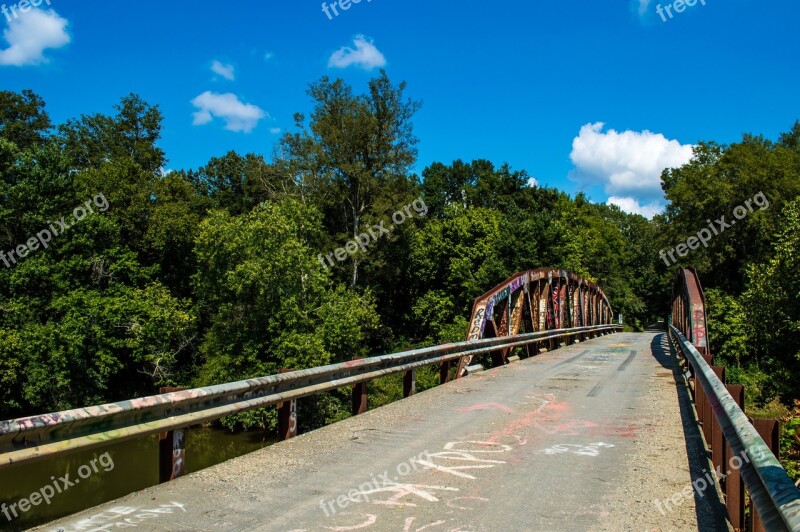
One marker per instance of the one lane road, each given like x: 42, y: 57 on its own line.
x: 588, y: 437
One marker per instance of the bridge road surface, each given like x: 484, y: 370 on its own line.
x: 584, y: 438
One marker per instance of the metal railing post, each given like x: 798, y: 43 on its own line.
x: 287, y: 417
x: 359, y: 396
x: 734, y: 485
x: 444, y: 372
x: 171, y: 449
x: 410, y: 383
x: 717, y: 440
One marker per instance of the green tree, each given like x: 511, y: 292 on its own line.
x: 132, y: 133
x: 454, y: 259
x: 354, y: 155
x: 173, y: 223
x: 713, y: 184
x: 772, y: 306
x: 23, y: 119
x: 476, y: 184
x: 238, y: 183
x: 268, y: 301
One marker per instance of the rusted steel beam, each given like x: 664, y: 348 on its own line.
x: 359, y: 398
x: 287, y: 420
x: 699, y: 402
x: 708, y: 418
x: 552, y: 309
x: 527, y: 312
x: 689, y: 309
x: 509, y: 324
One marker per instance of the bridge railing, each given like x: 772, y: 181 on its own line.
x: 716, y: 409
x: 50, y: 435
x: 774, y: 495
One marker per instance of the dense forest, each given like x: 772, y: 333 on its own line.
x: 117, y: 277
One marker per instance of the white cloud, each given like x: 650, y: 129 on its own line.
x: 238, y: 116
x: 364, y: 55
x: 643, y: 5
x: 532, y: 182
x: 631, y: 205
x: 275, y: 130
x: 226, y: 71
x: 30, y: 34
x: 627, y: 164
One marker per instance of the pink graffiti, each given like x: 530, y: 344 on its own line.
x: 486, y: 406
x: 548, y: 411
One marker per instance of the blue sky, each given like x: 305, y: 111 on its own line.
x: 586, y: 95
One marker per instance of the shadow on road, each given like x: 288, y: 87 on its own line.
x: 710, y: 509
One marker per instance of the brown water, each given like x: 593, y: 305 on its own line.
x: 129, y: 466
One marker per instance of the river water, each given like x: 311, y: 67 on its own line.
x: 129, y: 466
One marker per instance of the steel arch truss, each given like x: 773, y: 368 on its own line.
x: 534, y: 301
x: 688, y: 309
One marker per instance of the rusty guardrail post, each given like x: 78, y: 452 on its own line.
x: 409, y: 383
x: 444, y: 371
x: 699, y: 398
x: 287, y: 417
x: 734, y: 484
x: 359, y: 396
x: 717, y: 440
x: 526, y: 351
x: 708, y: 414
x: 171, y: 448
x: 770, y: 432
x: 498, y: 359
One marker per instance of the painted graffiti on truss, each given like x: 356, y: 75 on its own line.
x: 554, y: 299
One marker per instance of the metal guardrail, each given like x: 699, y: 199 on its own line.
x: 773, y: 493
x: 45, y: 436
